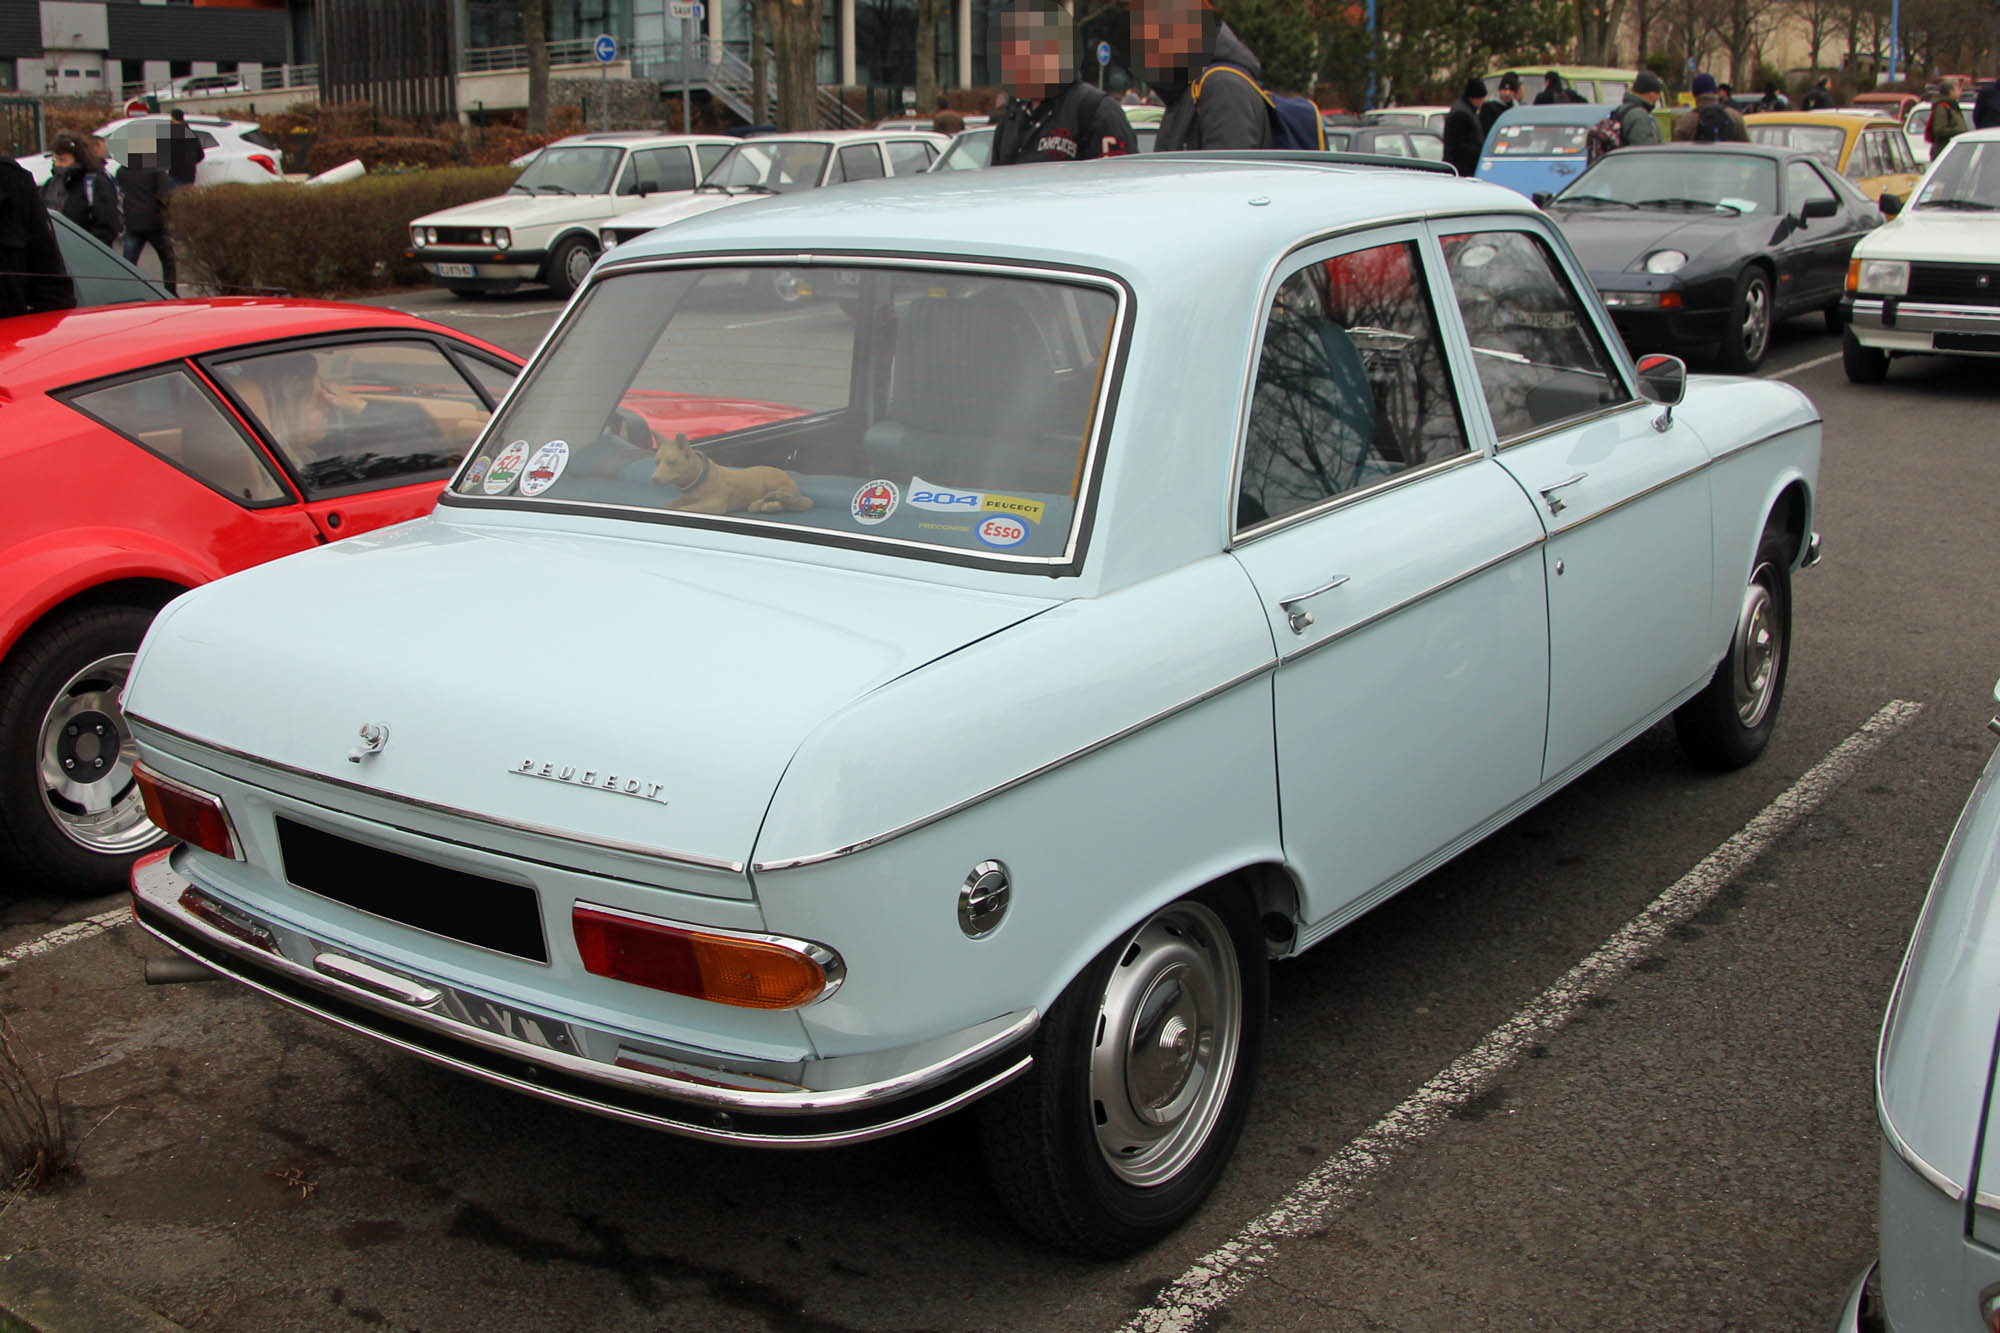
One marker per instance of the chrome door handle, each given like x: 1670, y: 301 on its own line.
x: 1298, y: 619
x: 1549, y: 492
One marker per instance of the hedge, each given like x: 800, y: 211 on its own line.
x: 379, y: 151
x: 316, y: 240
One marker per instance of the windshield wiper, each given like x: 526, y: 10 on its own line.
x: 711, y: 185
x: 1678, y: 202
x: 524, y: 189
x: 1966, y: 205
x: 1594, y: 199
x: 556, y: 189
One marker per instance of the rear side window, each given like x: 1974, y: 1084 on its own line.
x: 663, y: 169
x: 858, y: 162
x: 169, y: 416
x: 910, y: 157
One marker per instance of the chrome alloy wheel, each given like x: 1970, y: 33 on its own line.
x: 85, y: 757
x: 576, y: 265
x: 1756, y: 328
x: 1758, y: 648
x: 1169, y: 1029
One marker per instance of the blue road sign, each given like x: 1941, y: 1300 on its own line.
x: 1104, y: 53
x: 606, y: 48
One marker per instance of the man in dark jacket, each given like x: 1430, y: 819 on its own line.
x: 1820, y: 96
x: 32, y: 275
x: 184, y: 150
x: 1555, y: 92
x: 1507, y: 94
x: 1462, y: 139
x: 1635, y: 114
x: 143, y: 186
x: 1712, y: 119
x: 1178, y: 43
x: 1986, y: 107
x: 1053, y: 116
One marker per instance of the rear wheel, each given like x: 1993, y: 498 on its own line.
x: 1863, y: 364
x: 1730, y: 722
x: 71, y: 819
x: 1750, y: 315
x: 1143, y: 1073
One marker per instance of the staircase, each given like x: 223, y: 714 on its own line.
x: 731, y: 80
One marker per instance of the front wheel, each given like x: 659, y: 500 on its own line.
x: 1835, y: 315
x: 1863, y: 364
x: 1750, y: 314
x: 570, y: 265
x: 1730, y: 722
x: 1142, y: 1076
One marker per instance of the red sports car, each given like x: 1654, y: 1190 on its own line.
x: 149, y: 448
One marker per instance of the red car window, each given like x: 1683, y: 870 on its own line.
x: 168, y: 415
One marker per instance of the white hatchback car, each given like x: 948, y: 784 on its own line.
x: 544, y: 229
x: 232, y: 151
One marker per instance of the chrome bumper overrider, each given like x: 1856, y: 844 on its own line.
x: 704, y: 1095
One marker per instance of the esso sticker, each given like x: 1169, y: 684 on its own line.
x: 1002, y: 531
x: 543, y: 469
x: 507, y: 465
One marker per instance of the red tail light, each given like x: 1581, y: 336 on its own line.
x: 754, y: 972
x: 266, y: 163
x: 193, y: 816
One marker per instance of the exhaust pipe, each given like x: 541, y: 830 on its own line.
x: 174, y: 970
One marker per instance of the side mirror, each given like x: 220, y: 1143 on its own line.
x: 1821, y: 208
x: 1542, y: 198
x: 1890, y: 204
x: 1663, y: 379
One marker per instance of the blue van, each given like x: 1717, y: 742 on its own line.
x: 1539, y: 147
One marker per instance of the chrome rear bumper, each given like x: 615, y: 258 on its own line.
x: 699, y: 1094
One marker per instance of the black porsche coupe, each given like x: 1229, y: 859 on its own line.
x: 1702, y: 248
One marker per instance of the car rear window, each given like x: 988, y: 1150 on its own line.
x: 921, y: 410
x: 1822, y: 141
x: 1538, y: 140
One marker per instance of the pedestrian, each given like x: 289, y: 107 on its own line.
x: 1820, y: 97
x: 1552, y: 90
x: 1711, y: 119
x: 184, y: 150
x: 1462, y: 139
x: 1052, y: 115
x: 143, y: 187
x: 1636, y: 124
x: 1175, y: 42
x: 32, y: 275
x: 1986, y: 108
x: 1774, y: 99
x: 80, y: 189
x: 947, y: 121
x: 1506, y: 93
x: 1946, y: 121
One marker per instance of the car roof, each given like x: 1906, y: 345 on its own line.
x: 1555, y: 113
x: 1860, y: 119
x: 634, y: 139
x: 46, y: 351
x: 1776, y: 152
x: 1228, y: 210
x: 846, y: 136
x: 203, y: 122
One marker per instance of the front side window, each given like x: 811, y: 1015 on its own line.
x: 1351, y: 385
x: 359, y: 416
x: 1802, y: 183
x: 926, y: 409
x: 169, y: 416
x: 1539, y: 358
x: 909, y: 157
x: 662, y: 169
x: 858, y: 162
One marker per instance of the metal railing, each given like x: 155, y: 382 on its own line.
x: 494, y: 59
x: 710, y: 65
x: 268, y: 78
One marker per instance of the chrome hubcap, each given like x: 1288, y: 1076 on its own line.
x: 785, y: 286
x: 1168, y: 1032
x: 86, y: 757
x: 1757, y: 650
x: 1756, y: 319
x: 577, y: 268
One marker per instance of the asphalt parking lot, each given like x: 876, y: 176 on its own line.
x: 1611, y: 1068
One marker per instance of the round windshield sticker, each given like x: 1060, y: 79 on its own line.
x: 874, y: 502
x: 477, y: 472
x: 1003, y: 530
x: 507, y: 465
x: 543, y: 469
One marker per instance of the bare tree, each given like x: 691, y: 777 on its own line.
x: 927, y: 80
x: 760, y: 61
x: 535, y: 34
x: 1820, y: 17
x: 1740, y: 27
x: 795, y: 36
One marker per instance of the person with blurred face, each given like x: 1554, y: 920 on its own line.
x: 1051, y: 115
x: 143, y: 186
x: 1175, y: 43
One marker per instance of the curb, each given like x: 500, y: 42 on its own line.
x: 37, y: 1296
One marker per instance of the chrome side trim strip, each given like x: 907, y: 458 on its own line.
x: 1377, y: 617
x: 1777, y: 434
x: 817, y: 858
x: 436, y: 808
x: 1935, y: 1178
x: 1636, y: 496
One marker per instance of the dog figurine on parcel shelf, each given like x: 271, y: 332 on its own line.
x: 707, y: 487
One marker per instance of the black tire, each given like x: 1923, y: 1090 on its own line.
x: 1730, y: 722
x: 65, y: 674
x: 1863, y: 364
x: 1835, y: 315
x: 1751, y: 317
x: 568, y: 263
x: 1052, y: 1136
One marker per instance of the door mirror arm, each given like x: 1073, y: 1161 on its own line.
x: 1662, y: 380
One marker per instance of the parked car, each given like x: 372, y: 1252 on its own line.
x: 1939, y: 1263
x: 196, y: 84
x: 923, y: 124
x: 1704, y: 247
x: 1929, y: 282
x: 1869, y: 150
x: 1387, y: 141
x: 1896, y: 105
x: 233, y: 151
x: 1919, y: 120
x: 1409, y: 117
x: 988, y: 720
x: 1536, y: 149
x: 1593, y: 83
x: 154, y: 447
x: 544, y: 228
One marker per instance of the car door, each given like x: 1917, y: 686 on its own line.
x: 1821, y: 245
x: 1625, y: 504
x: 369, y: 427
x: 1399, y: 569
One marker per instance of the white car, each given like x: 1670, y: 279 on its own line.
x: 1929, y: 282
x: 233, y: 151
x: 544, y: 229
x: 1919, y: 117
x: 774, y: 164
x: 1411, y: 117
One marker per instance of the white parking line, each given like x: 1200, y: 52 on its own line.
x: 1789, y: 371
x: 785, y: 318
x: 70, y: 934
x: 460, y: 313
x: 1212, y: 1280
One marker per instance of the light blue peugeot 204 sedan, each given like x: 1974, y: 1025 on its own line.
x: 794, y: 726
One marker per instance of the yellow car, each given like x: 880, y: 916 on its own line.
x: 1869, y: 150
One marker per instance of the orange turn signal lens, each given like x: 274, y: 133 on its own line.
x: 1853, y: 275
x: 1670, y: 300
x: 195, y: 817
x: 753, y: 972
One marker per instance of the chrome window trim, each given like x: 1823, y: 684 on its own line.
x: 1376, y: 617
x: 1569, y: 423
x: 818, y: 858
x: 1937, y: 1179
x: 1633, y: 499
x: 1346, y: 498
x: 451, y: 811
x: 1111, y: 369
